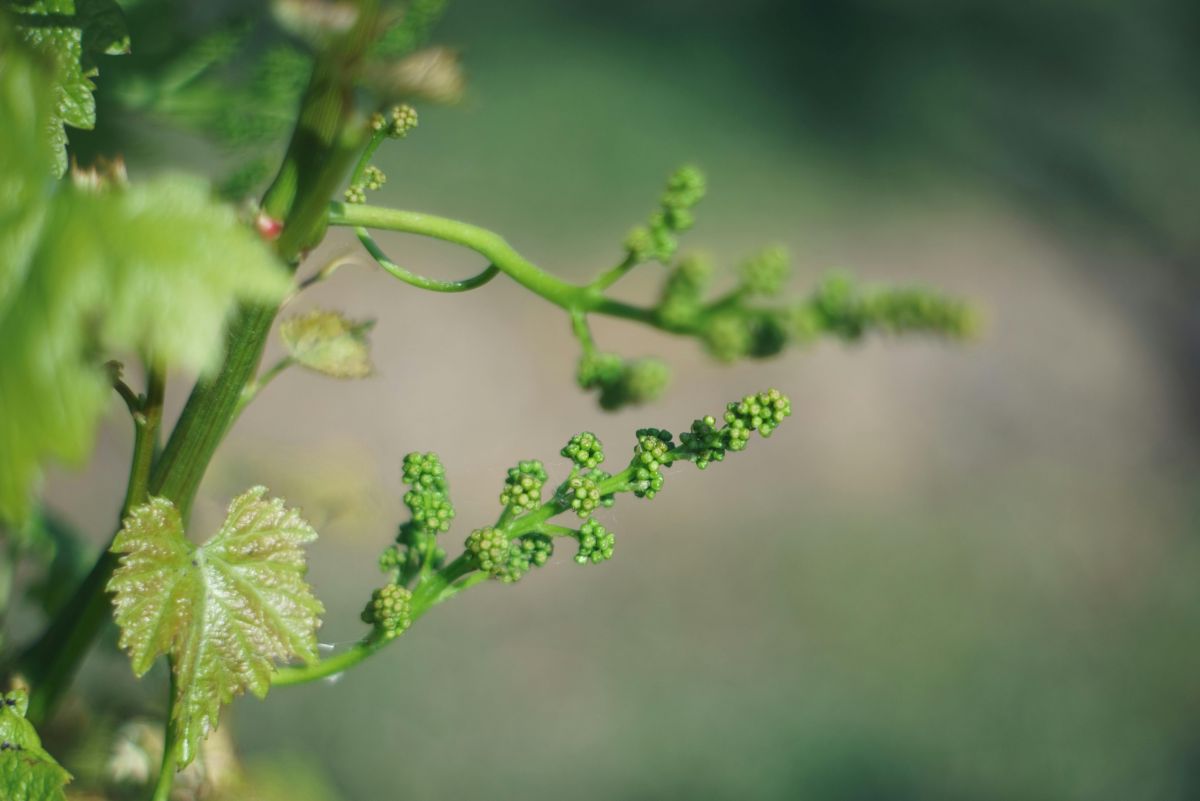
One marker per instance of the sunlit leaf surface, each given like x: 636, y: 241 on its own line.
x: 224, y: 612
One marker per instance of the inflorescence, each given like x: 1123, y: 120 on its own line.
x: 751, y: 319
x: 395, y: 125
x: 523, y: 486
x: 390, y: 610
x: 657, y: 240
x: 415, y: 548
x: 523, y: 537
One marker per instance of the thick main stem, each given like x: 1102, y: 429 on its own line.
x: 327, y: 136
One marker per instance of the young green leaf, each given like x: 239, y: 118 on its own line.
x: 224, y: 612
x: 155, y: 268
x: 27, y: 771
x: 329, y: 343
x: 74, y: 33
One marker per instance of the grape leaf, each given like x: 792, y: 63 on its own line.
x: 329, y: 343
x: 74, y: 33
x: 27, y: 771
x: 155, y: 268
x: 225, y: 612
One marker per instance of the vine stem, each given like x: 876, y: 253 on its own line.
x: 329, y: 133
x: 420, y: 281
x: 607, y: 279
x: 571, y: 297
x: 251, y: 390
x: 170, y: 759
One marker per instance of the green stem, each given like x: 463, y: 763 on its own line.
x: 368, y: 153
x: 610, y: 277
x: 8, y: 566
x: 132, y: 402
x: 493, y: 247
x: 303, y: 674
x: 582, y: 332
x: 551, y: 530
x: 328, y: 134
x: 211, y: 406
x: 166, y: 773
x: 430, y: 592
x: 487, y: 243
x: 323, y: 274
x: 259, y: 384
x: 51, y: 662
x: 420, y: 281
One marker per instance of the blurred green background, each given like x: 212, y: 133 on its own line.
x: 957, y: 573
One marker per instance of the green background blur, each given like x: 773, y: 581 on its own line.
x: 957, y: 573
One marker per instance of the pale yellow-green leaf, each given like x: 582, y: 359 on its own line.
x: 87, y: 273
x: 329, y: 343
x: 226, y: 612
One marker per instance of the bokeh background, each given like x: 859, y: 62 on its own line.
x: 959, y: 572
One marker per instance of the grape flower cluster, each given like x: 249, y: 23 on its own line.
x: 523, y: 537
x: 750, y: 319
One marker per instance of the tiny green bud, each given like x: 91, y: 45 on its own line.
x: 728, y: 336
x: 390, y: 610
x: 639, y: 244
x: 583, y: 494
x: 490, y: 549
x: 373, y: 178
x: 704, y: 442
x: 523, y: 486
x: 429, y: 499
x: 599, y: 370
x: 584, y: 450
x: 639, y: 381
x: 650, y: 455
x: 767, y: 272
x: 595, y: 543
x: 762, y: 413
x: 404, y: 119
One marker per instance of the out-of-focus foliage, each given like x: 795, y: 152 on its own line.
x: 328, y: 343
x: 225, y: 612
x: 95, y: 267
x: 73, y: 34
x: 234, y: 72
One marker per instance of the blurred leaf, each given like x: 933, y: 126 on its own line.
x: 225, y: 612
x: 67, y: 558
x: 74, y: 33
x: 410, y: 28
x: 27, y: 771
x: 315, y: 22
x: 156, y: 268
x: 329, y: 343
x: 433, y: 74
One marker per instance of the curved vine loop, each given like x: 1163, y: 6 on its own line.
x: 420, y: 281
